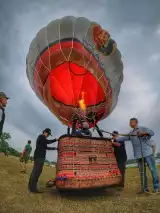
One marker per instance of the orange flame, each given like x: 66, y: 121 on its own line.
x: 82, y: 103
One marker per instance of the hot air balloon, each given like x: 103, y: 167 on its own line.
x: 74, y: 67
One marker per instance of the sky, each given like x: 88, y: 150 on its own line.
x: 135, y: 25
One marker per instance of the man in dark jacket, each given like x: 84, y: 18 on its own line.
x: 121, y: 157
x: 39, y: 158
x: 3, y: 104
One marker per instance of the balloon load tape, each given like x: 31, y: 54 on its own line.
x: 62, y: 178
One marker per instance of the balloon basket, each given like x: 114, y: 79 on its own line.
x: 85, y: 163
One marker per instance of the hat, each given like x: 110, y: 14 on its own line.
x: 47, y: 130
x: 3, y: 95
x: 134, y: 119
x: 115, y: 133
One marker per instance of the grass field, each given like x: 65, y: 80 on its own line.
x: 15, y: 198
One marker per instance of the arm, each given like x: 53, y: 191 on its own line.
x: 51, y: 148
x: 148, y: 131
x: 51, y: 141
x: 25, y: 150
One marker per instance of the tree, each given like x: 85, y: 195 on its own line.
x: 14, y: 152
x: 5, y: 137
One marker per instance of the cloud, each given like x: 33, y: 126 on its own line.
x: 155, y: 58
x: 157, y: 32
x: 135, y: 27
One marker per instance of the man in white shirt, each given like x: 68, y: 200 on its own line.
x: 153, y: 146
x: 3, y: 104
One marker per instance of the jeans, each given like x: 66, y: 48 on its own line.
x: 150, y: 161
x: 36, y: 172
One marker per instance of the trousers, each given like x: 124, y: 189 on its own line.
x: 35, y: 174
x: 122, y: 168
x: 150, y: 161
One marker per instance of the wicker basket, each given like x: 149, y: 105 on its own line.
x: 86, y: 163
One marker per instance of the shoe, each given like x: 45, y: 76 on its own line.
x: 157, y: 190
x: 51, y: 183
x: 35, y: 191
x: 120, y: 187
x: 142, y: 191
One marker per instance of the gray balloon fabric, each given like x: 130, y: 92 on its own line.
x: 77, y: 50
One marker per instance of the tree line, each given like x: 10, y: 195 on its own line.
x: 4, y: 146
x: 8, y: 150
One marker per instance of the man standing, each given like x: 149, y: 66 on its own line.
x: 142, y: 147
x: 121, y: 157
x: 39, y: 158
x: 25, y: 156
x: 3, y: 104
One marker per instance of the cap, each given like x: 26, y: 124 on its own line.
x: 47, y: 130
x: 3, y: 95
x: 134, y: 119
x: 115, y: 132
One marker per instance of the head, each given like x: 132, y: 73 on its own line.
x: 133, y: 122
x: 85, y: 125
x: 47, y: 132
x: 114, y: 134
x: 29, y: 142
x: 3, y: 99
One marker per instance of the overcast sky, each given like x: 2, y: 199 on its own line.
x: 135, y: 25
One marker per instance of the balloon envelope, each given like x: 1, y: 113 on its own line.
x: 74, y: 67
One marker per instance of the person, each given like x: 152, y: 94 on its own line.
x: 84, y: 131
x: 39, y: 158
x: 25, y: 156
x: 153, y: 147
x: 142, y: 147
x: 121, y: 157
x: 3, y: 104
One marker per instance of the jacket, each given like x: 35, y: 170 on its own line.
x: 2, y: 119
x: 41, y: 146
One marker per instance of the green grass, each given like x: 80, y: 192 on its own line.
x: 15, y: 198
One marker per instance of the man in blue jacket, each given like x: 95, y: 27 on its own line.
x: 142, y: 147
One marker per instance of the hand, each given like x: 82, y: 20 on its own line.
x: 116, y: 144
x: 75, y: 117
x: 142, y: 134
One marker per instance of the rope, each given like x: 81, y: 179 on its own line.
x: 120, y: 134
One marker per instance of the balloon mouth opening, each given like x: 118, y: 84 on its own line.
x: 72, y: 84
